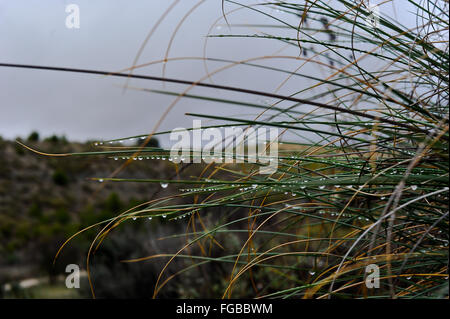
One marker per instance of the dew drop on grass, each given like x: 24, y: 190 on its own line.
x: 322, y: 187
x: 164, y: 185
x: 134, y: 218
x: 414, y: 187
x: 164, y: 216
x: 100, y: 180
x: 312, y: 273
x: 149, y: 218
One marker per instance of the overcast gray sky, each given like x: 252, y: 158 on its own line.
x: 111, y: 31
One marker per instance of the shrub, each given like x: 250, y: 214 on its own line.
x: 33, y: 137
x: 60, y: 178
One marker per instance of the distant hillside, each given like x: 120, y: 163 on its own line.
x: 43, y: 200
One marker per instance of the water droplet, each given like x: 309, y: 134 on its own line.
x: 383, y: 198
x: 322, y: 187
x: 164, y: 185
x: 150, y: 218
x: 100, y: 180
x: 134, y: 218
x: 414, y: 187
x: 312, y: 273
x: 409, y: 277
x: 164, y: 216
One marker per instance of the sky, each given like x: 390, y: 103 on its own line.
x: 110, y: 34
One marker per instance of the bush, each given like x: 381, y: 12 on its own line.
x: 62, y: 216
x: 33, y: 137
x: 54, y: 139
x: 60, y: 178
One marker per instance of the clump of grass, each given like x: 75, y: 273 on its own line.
x: 369, y: 184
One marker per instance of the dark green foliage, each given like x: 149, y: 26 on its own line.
x: 35, y: 210
x: 19, y: 149
x: 60, y: 178
x: 154, y: 142
x: 33, y: 137
x: 113, y: 203
x: 54, y: 139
